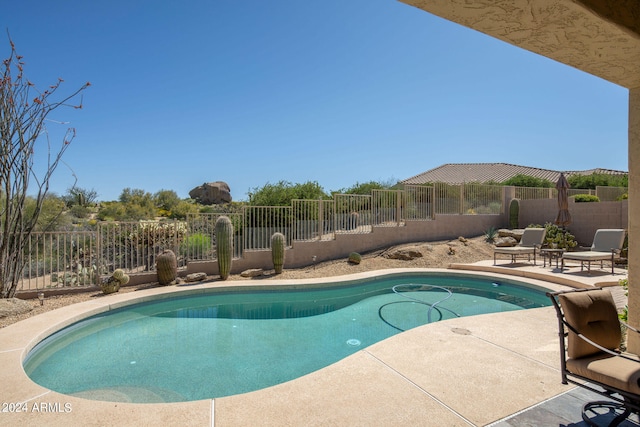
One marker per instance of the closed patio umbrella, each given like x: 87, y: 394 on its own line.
x: 564, y: 217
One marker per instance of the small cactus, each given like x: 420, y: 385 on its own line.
x: 355, y: 258
x: 166, y: 267
x: 277, y: 251
x: 113, y: 283
x: 118, y: 274
x: 224, y: 245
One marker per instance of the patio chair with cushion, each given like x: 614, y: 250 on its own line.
x: 607, y: 244
x: 531, y: 241
x: 590, y: 356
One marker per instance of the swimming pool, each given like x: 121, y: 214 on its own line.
x: 230, y: 342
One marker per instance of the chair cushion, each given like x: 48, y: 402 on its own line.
x: 594, y: 314
x: 587, y: 256
x: 514, y: 250
x: 614, y: 371
x: 607, y: 239
x: 532, y: 237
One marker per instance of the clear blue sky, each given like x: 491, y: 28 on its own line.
x: 338, y: 92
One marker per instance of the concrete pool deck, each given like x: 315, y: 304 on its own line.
x: 460, y: 372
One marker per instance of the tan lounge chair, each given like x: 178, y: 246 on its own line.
x: 606, y: 246
x: 590, y: 357
x: 531, y: 241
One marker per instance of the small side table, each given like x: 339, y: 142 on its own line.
x: 551, y: 254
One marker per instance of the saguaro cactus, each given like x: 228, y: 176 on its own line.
x: 224, y: 245
x: 166, y: 267
x: 514, y: 212
x: 277, y: 251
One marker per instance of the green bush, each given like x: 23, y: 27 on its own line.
x: 79, y: 211
x: 522, y: 180
x: 196, y: 246
x: 625, y: 311
x: 585, y: 198
x: 562, y: 239
x: 598, y: 179
x: 490, y: 235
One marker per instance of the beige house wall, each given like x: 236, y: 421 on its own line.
x: 634, y: 219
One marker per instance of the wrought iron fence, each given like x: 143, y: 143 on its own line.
x: 605, y: 194
x: 313, y: 219
x: 468, y: 199
x: 482, y: 199
x: 419, y: 203
x: 261, y: 222
x: 352, y: 213
x: 134, y: 246
x: 530, y: 193
x: 81, y: 258
x: 200, y: 242
x: 610, y: 194
x: 387, y: 206
x: 60, y: 260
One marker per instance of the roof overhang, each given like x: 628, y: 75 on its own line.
x: 600, y: 37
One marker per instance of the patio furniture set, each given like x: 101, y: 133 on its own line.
x: 607, y: 246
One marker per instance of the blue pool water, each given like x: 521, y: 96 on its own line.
x: 224, y: 343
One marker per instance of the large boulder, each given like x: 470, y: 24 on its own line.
x: 13, y: 306
x: 515, y: 234
x: 211, y: 193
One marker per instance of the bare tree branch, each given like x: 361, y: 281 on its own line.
x: 23, y: 112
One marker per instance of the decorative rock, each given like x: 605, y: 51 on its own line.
x: 404, y: 255
x: 502, y: 242
x: 212, y: 193
x: 252, y: 272
x: 195, y: 277
x: 12, y: 306
x: 515, y: 234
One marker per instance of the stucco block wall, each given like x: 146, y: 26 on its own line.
x: 586, y: 217
x: 302, y: 254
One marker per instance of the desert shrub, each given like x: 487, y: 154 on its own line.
x: 79, y: 211
x: 585, y: 198
x: 490, y: 235
x: 559, y: 237
x: 625, y: 311
x: 521, y: 180
x: 196, y: 246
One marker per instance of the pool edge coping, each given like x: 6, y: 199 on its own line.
x: 71, y: 314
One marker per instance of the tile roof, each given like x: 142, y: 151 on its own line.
x: 458, y: 173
